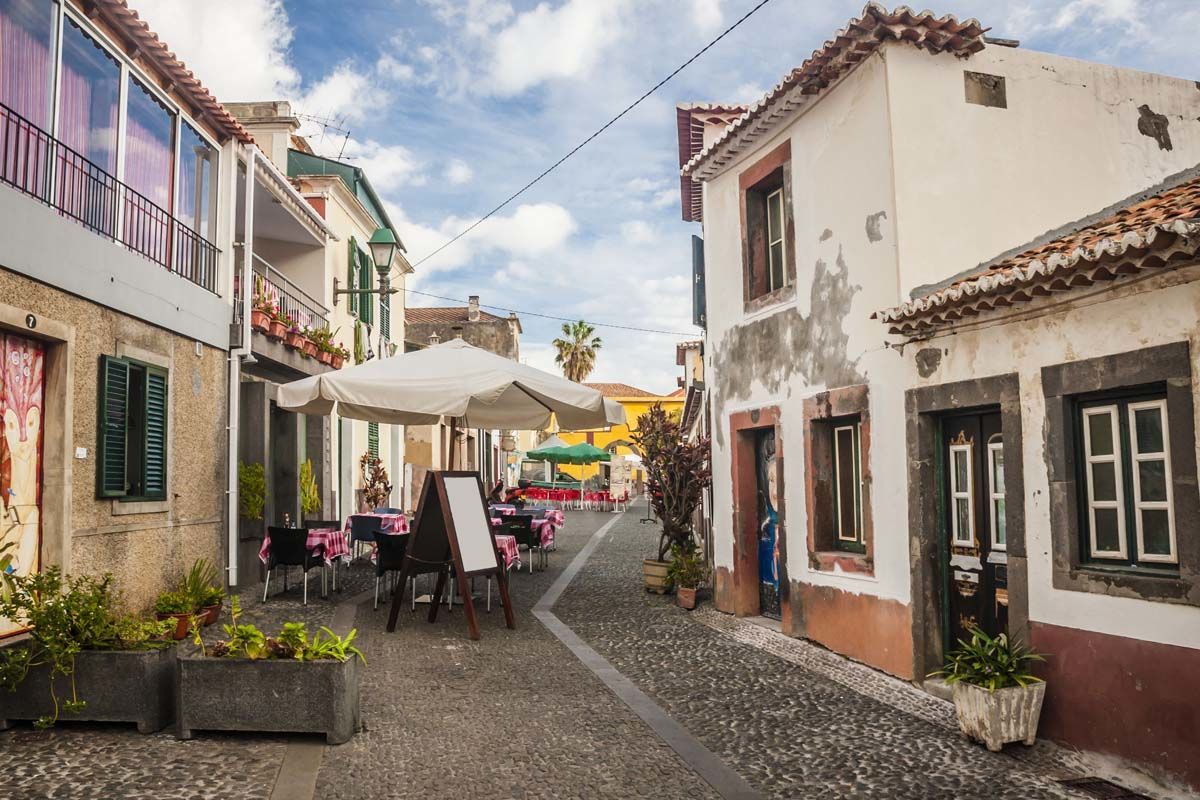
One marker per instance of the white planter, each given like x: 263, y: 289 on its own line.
x: 999, y: 717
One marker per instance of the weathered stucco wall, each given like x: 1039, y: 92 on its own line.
x: 147, y: 552
x: 973, y: 181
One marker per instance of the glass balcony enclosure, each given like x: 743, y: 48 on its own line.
x: 85, y: 132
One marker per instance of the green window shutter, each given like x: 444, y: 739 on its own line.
x: 366, y: 306
x: 373, y: 439
x: 156, y: 434
x: 385, y: 317
x: 113, y: 406
x: 352, y: 275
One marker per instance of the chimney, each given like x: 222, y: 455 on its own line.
x: 473, y: 308
x: 434, y: 339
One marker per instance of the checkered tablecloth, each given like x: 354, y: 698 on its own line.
x: 506, y: 546
x: 388, y: 523
x: 543, y: 527
x: 331, y: 541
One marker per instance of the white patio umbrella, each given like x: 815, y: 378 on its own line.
x: 469, y: 386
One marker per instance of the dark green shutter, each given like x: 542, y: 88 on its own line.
x: 352, y: 275
x: 110, y: 434
x: 385, y: 318
x: 156, y: 434
x: 366, y: 307
x: 373, y: 439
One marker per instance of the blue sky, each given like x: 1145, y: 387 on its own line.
x: 454, y: 104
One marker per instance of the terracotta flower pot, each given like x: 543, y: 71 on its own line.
x: 277, y: 330
x: 295, y: 340
x: 685, y: 598
x: 325, y: 357
x: 182, y: 623
x: 211, y: 614
x: 309, y: 349
x: 337, y: 361
x: 260, y: 320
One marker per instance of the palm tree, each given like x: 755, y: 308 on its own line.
x: 577, y: 351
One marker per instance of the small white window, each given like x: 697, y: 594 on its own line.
x: 1153, y: 513
x: 1106, y: 495
x: 776, y: 270
x: 996, y: 492
x: 847, y: 476
x: 962, y: 496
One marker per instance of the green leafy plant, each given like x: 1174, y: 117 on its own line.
x: 66, y: 617
x: 989, y: 662
x: 332, y: 646
x: 199, y: 584
x: 6, y: 578
x: 310, y: 493
x: 688, y: 569
x: 175, y: 602
x: 212, y: 596
x: 293, y: 642
x: 252, y: 490
x: 677, y: 473
x: 360, y: 353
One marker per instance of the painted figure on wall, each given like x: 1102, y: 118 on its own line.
x: 20, y: 448
x: 768, y: 523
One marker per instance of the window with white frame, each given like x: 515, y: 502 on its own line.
x: 1128, y: 515
x: 776, y: 267
x: 995, y: 467
x: 962, y: 495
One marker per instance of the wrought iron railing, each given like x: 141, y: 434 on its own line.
x: 274, y: 287
x: 34, y: 162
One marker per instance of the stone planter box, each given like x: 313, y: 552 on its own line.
x: 285, y: 696
x: 119, y: 686
x: 996, y: 718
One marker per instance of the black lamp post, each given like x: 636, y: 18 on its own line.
x: 383, y: 246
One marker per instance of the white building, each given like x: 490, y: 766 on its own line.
x: 906, y: 151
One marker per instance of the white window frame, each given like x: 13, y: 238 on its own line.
x: 958, y: 493
x: 1110, y: 411
x: 995, y: 445
x: 857, y: 538
x: 1152, y: 505
x: 772, y: 240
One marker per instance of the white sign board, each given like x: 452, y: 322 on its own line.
x: 471, y: 526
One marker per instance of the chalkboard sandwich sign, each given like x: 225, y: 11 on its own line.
x: 452, y: 529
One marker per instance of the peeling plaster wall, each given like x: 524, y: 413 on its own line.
x: 974, y: 181
x: 1081, y: 330
x: 824, y: 337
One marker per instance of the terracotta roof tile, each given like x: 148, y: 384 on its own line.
x: 1160, y: 228
x: 849, y: 47
x: 620, y: 390
x: 126, y: 20
x: 443, y: 314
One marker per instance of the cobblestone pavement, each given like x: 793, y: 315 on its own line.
x: 789, y: 730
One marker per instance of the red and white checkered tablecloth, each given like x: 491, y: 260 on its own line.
x: 388, y: 523
x: 555, y: 516
x: 544, y: 528
x: 507, y: 547
x: 330, y: 540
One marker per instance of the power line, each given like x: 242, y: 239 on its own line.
x: 586, y: 141
x: 550, y: 316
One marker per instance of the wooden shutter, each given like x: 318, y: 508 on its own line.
x: 155, y: 462
x: 385, y: 318
x: 113, y: 416
x: 373, y: 439
x: 366, y: 306
x: 352, y: 275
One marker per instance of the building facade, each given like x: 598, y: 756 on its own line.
x: 927, y: 485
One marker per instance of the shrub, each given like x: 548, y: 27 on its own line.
x: 252, y: 490
x: 310, y: 493
x: 989, y: 662
x: 677, y: 473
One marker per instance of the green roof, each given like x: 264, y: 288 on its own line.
x: 301, y: 163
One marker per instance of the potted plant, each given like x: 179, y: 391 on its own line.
x: 178, y: 607
x: 200, y: 585
x: 338, y: 356
x: 996, y: 697
x: 261, y: 313
x: 310, y: 493
x: 295, y: 337
x: 82, y: 658
x: 279, y: 325
x: 677, y: 472
x: 308, y: 347
x: 376, y: 487
x: 254, y: 682
x: 687, y: 572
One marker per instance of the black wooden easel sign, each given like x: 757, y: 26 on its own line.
x: 452, y: 529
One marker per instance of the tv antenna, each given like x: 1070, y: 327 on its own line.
x: 334, y: 125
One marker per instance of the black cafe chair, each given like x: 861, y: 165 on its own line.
x: 521, y: 527
x: 386, y: 510
x: 289, y: 548
x: 389, y: 558
x: 362, y: 531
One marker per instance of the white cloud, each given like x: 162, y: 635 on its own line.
x: 477, y: 18
x: 637, y: 231
x: 345, y: 93
x: 390, y: 67
x: 549, y: 43
x: 667, y: 197
x: 237, y: 48
x: 706, y: 14
x: 748, y: 93
x: 642, y: 185
x: 459, y: 172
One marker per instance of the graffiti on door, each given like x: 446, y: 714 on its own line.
x: 21, y: 396
x: 768, y: 523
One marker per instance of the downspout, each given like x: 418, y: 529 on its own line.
x: 236, y: 354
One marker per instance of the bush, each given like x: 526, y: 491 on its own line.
x: 688, y: 569
x: 677, y: 473
x: 310, y: 493
x: 252, y: 490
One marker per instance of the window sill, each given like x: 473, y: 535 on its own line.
x: 1179, y: 588
x: 122, y: 508
x: 781, y: 295
x: 843, y: 561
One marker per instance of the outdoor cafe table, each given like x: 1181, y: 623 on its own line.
x: 543, y: 526
x: 506, y: 546
x: 388, y: 523
x: 330, y: 541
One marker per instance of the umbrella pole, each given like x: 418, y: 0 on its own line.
x: 451, y: 450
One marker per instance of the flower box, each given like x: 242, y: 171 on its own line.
x: 260, y: 320
x: 309, y: 349
x: 325, y: 357
x: 286, y: 696
x: 117, y: 685
x: 996, y: 718
x: 277, y: 330
x: 295, y: 340
x: 337, y: 361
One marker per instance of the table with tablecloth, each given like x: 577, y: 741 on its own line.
x: 543, y: 527
x: 330, y: 541
x: 506, y: 546
x: 388, y: 523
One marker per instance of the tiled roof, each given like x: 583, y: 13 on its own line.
x: 677, y: 393
x: 1155, y: 229
x: 690, y: 120
x: 439, y: 315
x: 849, y: 47
x: 620, y: 390
x: 125, y: 20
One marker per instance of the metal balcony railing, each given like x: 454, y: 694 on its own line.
x: 273, y: 286
x: 34, y: 162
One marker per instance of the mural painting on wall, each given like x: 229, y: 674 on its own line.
x: 21, y: 395
x: 768, y: 524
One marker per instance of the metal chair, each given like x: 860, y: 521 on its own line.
x: 384, y: 510
x: 521, y: 527
x: 289, y: 548
x: 389, y: 557
x: 362, y: 531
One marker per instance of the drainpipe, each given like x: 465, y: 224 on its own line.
x: 236, y: 354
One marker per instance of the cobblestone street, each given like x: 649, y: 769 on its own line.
x: 517, y: 714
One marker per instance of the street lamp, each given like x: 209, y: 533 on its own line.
x: 383, y: 246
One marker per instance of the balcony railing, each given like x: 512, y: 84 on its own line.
x: 39, y: 165
x: 273, y: 286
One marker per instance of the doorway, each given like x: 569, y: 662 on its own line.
x: 974, y: 554
x: 768, y: 523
